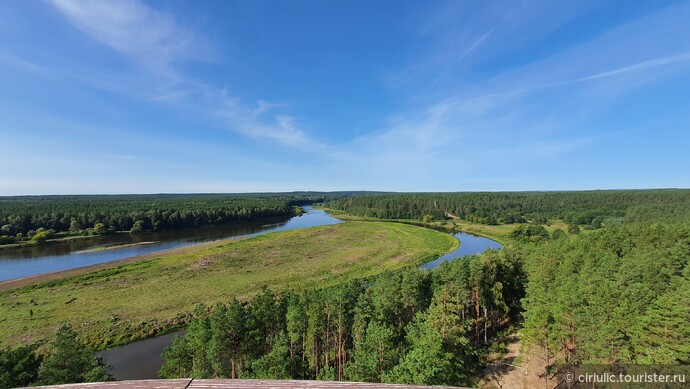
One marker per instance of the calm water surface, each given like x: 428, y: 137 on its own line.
x: 469, y: 245
x: 27, y: 261
x: 142, y: 360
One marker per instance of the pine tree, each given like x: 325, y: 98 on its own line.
x: 236, y: 333
x: 218, y: 349
x: 19, y: 366
x: 276, y: 364
x: 427, y: 362
x: 373, y: 354
x: 177, y: 359
x: 71, y: 361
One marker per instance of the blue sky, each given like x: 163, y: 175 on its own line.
x: 235, y: 96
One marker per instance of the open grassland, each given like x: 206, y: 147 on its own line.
x: 140, y: 299
x: 499, y: 233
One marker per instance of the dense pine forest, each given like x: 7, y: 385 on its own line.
x: 611, y: 207
x: 613, y: 296
x: 414, y: 326
x: 38, y: 218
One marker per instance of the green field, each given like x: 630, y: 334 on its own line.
x: 499, y: 233
x: 141, y: 299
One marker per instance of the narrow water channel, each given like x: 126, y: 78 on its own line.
x: 469, y: 245
x: 142, y: 360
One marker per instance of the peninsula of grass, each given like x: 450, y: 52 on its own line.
x: 140, y: 299
x: 499, y: 233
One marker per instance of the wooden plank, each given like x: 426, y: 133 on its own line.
x: 139, y: 384
x: 279, y: 384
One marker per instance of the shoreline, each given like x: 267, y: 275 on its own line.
x: 21, y: 282
x: 16, y: 283
x: 115, y: 247
x: 63, y: 239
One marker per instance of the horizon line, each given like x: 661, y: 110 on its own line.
x: 346, y: 191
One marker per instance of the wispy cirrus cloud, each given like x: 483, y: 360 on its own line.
x: 152, y: 39
x: 158, y: 43
x: 639, y: 66
x: 543, y: 110
x: 478, y: 42
x: 501, y: 89
x: 259, y: 121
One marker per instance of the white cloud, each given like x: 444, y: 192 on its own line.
x: 644, y: 65
x: 257, y: 122
x: 153, y: 39
x: 479, y: 120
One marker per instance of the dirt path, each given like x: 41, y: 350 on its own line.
x: 515, y: 369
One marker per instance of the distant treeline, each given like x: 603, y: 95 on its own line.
x: 23, y: 217
x: 412, y: 326
x: 577, y: 208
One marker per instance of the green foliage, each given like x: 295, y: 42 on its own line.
x: 71, y: 361
x: 178, y: 359
x: 529, y: 233
x: 101, y: 214
x: 276, y: 364
x: 373, y: 354
x: 579, y: 208
x: 427, y: 362
x: 99, y: 229
x: 137, y: 227
x: 409, y: 326
x: 620, y: 295
x: 68, y: 361
x: 661, y: 335
x: 19, y: 367
x: 558, y: 234
x: 42, y: 236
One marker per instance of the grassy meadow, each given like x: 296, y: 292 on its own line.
x: 141, y: 299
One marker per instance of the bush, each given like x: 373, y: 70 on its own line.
x: 42, y: 237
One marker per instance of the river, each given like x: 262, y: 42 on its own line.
x: 142, y: 359
x: 32, y: 260
x: 469, y: 245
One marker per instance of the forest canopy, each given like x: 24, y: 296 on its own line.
x: 579, y: 208
x: 38, y: 218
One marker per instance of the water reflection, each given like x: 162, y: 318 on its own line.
x: 469, y: 245
x: 26, y: 261
x: 142, y: 360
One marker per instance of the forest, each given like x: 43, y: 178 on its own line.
x: 617, y: 292
x: 617, y: 296
x: 38, y: 218
x: 592, y: 208
x: 411, y: 326
x: 614, y: 296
